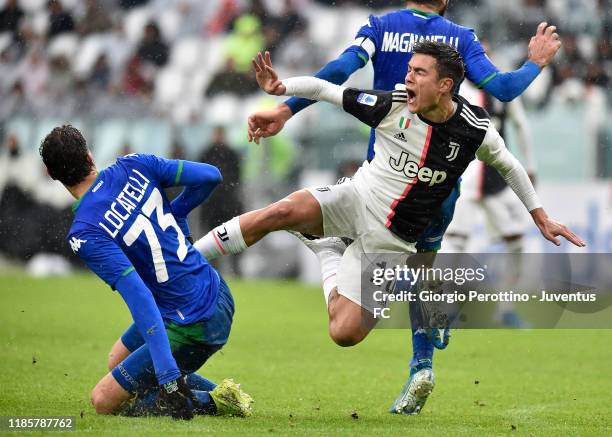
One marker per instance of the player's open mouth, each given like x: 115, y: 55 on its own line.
x: 411, y: 96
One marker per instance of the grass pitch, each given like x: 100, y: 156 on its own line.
x: 55, y: 335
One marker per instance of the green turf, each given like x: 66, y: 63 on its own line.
x: 56, y: 334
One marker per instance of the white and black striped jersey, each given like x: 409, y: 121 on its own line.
x: 417, y: 162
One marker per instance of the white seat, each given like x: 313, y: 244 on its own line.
x: 222, y: 110
x: 169, y: 85
x: 33, y: 6
x: 187, y: 53
x: 70, y: 5
x: 197, y: 83
x: 169, y: 23
x: 135, y: 22
x: 87, y: 53
x: 323, y: 26
x: 212, y: 57
x: 40, y: 22
x: 354, y: 19
x: 5, y: 40
x: 65, y: 44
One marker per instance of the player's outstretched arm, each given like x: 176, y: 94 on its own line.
x: 507, y: 86
x: 493, y: 151
x: 271, y: 122
x: 305, y: 87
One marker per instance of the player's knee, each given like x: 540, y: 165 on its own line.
x: 343, y: 334
x: 101, y: 403
x: 113, y: 360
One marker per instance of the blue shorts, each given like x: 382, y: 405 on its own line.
x: 191, y: 345
x: 431, y: 239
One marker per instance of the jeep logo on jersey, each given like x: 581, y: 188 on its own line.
x: 412, y: 170
x: 454, y: 151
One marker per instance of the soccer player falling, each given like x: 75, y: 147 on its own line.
x: 425, y: 138
x: 388, y: 41
x: 134, y: 239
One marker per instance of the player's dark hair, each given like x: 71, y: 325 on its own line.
x: 449, y: 61
x: 66, y: 156
x: 440, y: 4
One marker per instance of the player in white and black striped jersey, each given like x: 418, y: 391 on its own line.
x: 390, y: 200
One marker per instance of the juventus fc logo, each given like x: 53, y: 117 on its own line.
x: 222, y: 234
x: 454, y: 151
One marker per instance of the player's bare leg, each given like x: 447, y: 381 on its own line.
x: 108, y: 397
x: 349, y: 323
x: 299, y: 211
x: 117, y: 354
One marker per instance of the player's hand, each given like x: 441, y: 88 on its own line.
x: 551, y: 229
x: 267, y: 79
x: 264, y: 124
x: 544, y: 45
x: 176, y: 399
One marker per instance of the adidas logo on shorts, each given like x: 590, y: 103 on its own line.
x: 400, y: 136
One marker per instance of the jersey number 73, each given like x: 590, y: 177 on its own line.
x: 142, y: 223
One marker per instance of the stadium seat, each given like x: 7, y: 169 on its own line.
x: 213, y: 58
x: 89, y: 50
x: 70, y: 4
x: 169, y: 23
x: 5, y: 40
x: 40, y: 22
x: 169, y: 85
x: 328, y: 22
x: 222, y: 110
x: 353, y: 20
x: 135, y: 22
x: 197, y: 83
x: 33, y: 6
x: 65, y: 44
x: 187, y: 53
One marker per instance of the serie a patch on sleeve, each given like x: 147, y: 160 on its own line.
x: 367, y: 99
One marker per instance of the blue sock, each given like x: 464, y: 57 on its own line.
x: 422, y: 347
x: 197, y: 382
x: 207, y: 405
x: 144, y: 404
x: 422, y: 351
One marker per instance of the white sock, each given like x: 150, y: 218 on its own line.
x: 330, y: 264
x: 225, y: 239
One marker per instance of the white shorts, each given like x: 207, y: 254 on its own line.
x: 345, y: 215
x: 505, y: 215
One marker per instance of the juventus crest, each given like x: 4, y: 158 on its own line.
x: 454, y: 151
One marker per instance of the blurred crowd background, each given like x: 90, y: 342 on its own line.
x: 173, y: 77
